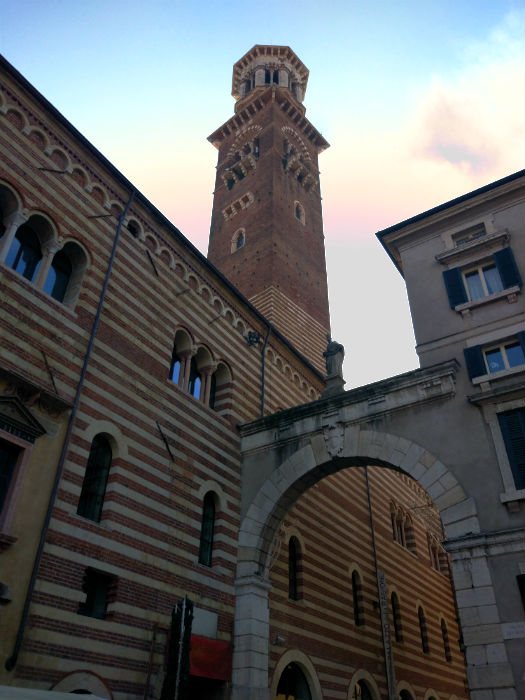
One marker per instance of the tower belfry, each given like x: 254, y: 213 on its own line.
x: 266, y: 228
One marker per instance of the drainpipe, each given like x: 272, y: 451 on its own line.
x: 263, y: 368
x: 383, y: 606
x: 11, y: 661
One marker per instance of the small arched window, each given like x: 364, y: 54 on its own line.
x: 362, y: 691
x: 357, y: 599
x: 423, y: 630
x: 410, y: 537
x: 396, y: 617
x: 175, y: 367
x: 220, y: 388
x: 58, y: 277
x: 294, y: 568
x: 207, y: 529
x: 194, y: 381
x: 446, y: 644
x: 238, y: 240
x: 95, y: 479
x: 299, y: 212
x: 24, y: 255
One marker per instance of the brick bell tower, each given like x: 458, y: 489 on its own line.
x: 266, y: 232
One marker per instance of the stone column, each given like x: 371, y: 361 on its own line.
x: 13, y: 223
x: 185, y: 366
x: 48, y: 253
x: 206, y: 374
x: 251, y: 639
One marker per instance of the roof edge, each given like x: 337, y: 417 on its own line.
x: 127, y: 184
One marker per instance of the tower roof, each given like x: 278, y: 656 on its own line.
x: 263, y: 55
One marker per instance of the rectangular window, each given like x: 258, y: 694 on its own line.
x: 467, y: 236
x: 482, y: 281
x: 8, y: 459
x: 504, y: 356
x: 98, y: 588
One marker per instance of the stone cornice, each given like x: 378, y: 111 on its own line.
x: 259, y: 100
x: 474, y: 248
x: 418, y: 387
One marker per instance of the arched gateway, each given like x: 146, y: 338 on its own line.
x: 285, y: 454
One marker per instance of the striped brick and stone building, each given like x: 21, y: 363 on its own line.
x: 166, y: 435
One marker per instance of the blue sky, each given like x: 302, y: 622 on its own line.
x: 420, y: 101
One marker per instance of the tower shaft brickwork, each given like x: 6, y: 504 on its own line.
x: 266, y: 228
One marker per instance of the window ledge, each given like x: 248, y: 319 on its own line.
x: 487, y: 378
x: 511, y: 499
x: 29, y: 285
x: 97, y: 524
x: 406, y: 549
x: 511, y: 293
x: 476, y: 246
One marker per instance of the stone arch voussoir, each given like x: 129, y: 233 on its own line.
x: 340, y: 447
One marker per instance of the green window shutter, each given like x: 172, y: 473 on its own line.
x: 475, y: 361
x: 512, y: 426
x: 455, y: 287
x: 507, y: 268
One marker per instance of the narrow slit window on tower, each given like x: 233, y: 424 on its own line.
x: 299, y: 212
x: 238, y: 240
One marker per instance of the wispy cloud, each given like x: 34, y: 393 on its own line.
x: 474, y: 120
x: 464, y: 130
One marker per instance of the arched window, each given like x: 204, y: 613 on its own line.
x: 405, y: 695
x: 182, y: 345
x: 24, y: 254
x: 299, y: 212
x: 446, y: 645
x: 294, y: 569
x: 194, y: 381
x: 396, y: 617
x: 362, y: 691
x: 410, y: 537
x: 175, y: 367
x: 238, y: 240
x: 207, y: 529
x: 400, y: 529
x: 58, y: 276
x: 293, y: 684
x: 423, y: 630
x: 357, y: 599
x: 220, y: 388
x: 95, y: 479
